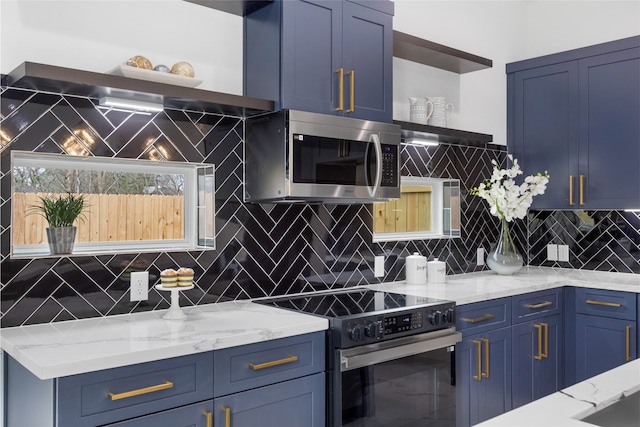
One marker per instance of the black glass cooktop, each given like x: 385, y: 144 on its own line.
x: 350, y: 302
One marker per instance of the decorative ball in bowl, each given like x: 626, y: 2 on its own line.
x: 183, y: 69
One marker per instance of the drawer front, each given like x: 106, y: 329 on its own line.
x: 196, y: 415
x: 116, y: 394
x: 614, y: 304
x: 483, y: 316
x: 295, y: 403
x: 536, y: 304
x: 255, y: 365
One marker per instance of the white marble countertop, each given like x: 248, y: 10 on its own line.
x: 485, y: 285
x: 66, y: 348
x: 567, y: 407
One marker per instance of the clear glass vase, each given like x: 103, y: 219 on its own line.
x: 504, y: 257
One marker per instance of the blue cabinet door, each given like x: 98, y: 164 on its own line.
x: 368, y: 53
x: 537, y: 358
x: 542, y: 128
x: 293, y: 403
x: 483, y: 376
x: 603, y: 343
x: 311, y: 54
x: 609, y: 134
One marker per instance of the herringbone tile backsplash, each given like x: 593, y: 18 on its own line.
x: 262, y: 250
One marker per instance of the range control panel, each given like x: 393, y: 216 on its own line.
x: 386, y: 326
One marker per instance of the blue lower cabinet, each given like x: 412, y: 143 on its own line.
x: 537, y: 357
x: 483, y: 376
x: 293, y: 403
x: 602, y: 343
x: 196, y: 415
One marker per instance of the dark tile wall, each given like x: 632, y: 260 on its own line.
x: 261, y: 250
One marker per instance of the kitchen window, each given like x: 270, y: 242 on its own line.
x: 133, y: 205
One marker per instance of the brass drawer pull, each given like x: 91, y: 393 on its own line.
x: 257, y: 366
x: 227, y: 416
x: 209, y: 417
x: 478, y: 359
x: 571, y: 189
x: 628, y: 331
x: 581, y: 190
x: 138, y: 392
x: 486, y: 357
x: 478, y: 319
x: 539, y: 355
x: 352, y: 92
x: 545, y: 326
x: 607, y: 304
x: 340, y: 72
x: 542, y: 304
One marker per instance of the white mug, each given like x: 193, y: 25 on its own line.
x: 420, y: 110
x: 441, y: 111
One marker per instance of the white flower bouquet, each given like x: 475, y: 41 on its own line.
x: 508, y: 200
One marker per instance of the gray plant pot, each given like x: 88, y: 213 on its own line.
x: 61, y: 239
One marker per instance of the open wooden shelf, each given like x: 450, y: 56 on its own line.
x: 236, y: 7
x: 70, y: 81
x: 415, y: 49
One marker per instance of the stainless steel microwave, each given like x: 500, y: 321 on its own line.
x: 296, y: 156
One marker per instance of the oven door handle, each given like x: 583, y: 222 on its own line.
x: 385, y: 351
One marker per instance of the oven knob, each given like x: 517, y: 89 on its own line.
x: 435, y: 318
x: 355, y: 333
x: 448, y: 316
x: 371, y: 330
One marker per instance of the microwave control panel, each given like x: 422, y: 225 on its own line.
x: 389, y: 166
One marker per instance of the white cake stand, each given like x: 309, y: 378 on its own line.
x: 174, y: 312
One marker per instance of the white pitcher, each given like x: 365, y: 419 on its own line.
x: 420, y: 110
x: 441, y: 111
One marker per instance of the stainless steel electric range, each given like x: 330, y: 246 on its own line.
x: 390, y: 356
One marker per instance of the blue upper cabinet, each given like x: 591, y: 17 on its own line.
x: 575, y: 114
x: 324, y: 56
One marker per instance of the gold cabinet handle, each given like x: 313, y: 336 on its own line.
x: 485, y: 374
x: 340, y: 72
x: 478, y: 319
x: 227, y: 416
x: 478, y: 358
x: 539, y: 355
x: 352, y: 92
x: 571, y: 189
x: 608, y: 304
x: 138, y: 392
x: 209, y: 416
x: 542, y: 304
x: 257, y: 366
x: 581, y: 190
x: 545, y: 326
x: 628, y: 331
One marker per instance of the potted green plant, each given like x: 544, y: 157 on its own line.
x: 61, y: 212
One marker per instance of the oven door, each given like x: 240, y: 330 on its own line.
x: 408, y: 381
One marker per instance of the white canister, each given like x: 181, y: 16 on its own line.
x: 415, y: 267
x: 437, y: 271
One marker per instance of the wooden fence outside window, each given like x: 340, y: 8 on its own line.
x: 108, y: 217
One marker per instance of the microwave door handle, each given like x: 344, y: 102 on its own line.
x: 376, y: 142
